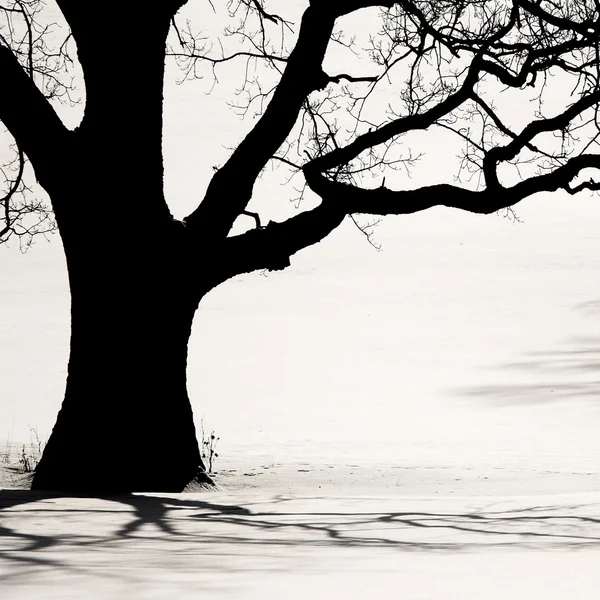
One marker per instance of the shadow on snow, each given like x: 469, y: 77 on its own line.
x: 76, y: 534
x: 568, y: 373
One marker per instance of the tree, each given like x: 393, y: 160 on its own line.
x: 137, y: 275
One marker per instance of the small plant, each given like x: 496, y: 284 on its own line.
x: 5, y: 455
x: 208, y: 447
x: 27, y: 459
x: 26, y: 462
x: 31, y: 456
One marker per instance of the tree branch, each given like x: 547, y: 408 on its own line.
x: 231, y: 187
x: 520, y: 141
x: 29, y: 117
x: 272, y: 246
x: 352, y: 79
x: 512, y: 43
x: 230, y: 57
x: 77, y: 14
x: 343, y: 155
x: 498, y: 123
x: 255, y: 216
x: 383, y: 201
x: 5, y: 202
x: 339, y: 8
x: 276, y: 19
x: 589, y: 29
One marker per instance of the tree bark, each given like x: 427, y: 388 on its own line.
x: 126, y: 421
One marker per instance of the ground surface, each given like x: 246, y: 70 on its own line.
x: 421, y: 423
x: 331, y: 532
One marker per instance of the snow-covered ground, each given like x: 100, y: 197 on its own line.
x: 421, y: 421
x: 281, y: 545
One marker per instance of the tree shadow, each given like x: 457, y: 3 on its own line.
x: 90, y: 536
x: 570, y: 372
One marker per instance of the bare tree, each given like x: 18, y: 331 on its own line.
x: 137, y: 275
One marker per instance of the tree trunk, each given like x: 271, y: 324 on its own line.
x: 126, y: 422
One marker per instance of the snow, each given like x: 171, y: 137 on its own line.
x: 421, y: 421
x: 273, y: 545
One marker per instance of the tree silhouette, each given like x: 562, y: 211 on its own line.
x: 490, y: 74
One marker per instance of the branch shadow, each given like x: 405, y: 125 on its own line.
x: 571, y: 372
x: 87, y: 536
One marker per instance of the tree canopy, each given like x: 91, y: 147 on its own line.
x: 338, y: 88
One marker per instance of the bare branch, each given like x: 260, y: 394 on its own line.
x: 29, y: 117
x: 559, y: 122
x: 255, y: 216
x: 235, y: 180
x: 383, y: 201
x: 272, y: 246
x: 398, y: 126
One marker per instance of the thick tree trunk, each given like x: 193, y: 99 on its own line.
x: 126, y: 421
